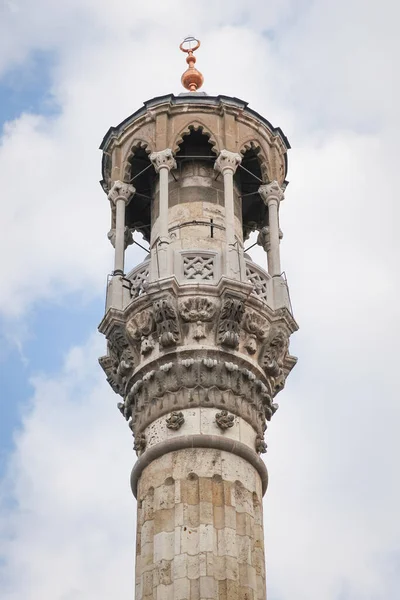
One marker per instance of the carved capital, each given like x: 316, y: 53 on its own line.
x: 227, y: 160
x: 121, y: 191
x: 128, y: 237
x: 271, y: 192
x: 164, y: 158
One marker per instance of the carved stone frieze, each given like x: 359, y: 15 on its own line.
x: 198, y: 382
x: 229, y: 322
x: 166, y: 320
x: 224, y: 420
x: 175, y: 420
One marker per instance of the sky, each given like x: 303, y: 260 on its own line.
x: 326, y: 73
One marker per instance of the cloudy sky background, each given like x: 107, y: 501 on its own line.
x: 327, y: 73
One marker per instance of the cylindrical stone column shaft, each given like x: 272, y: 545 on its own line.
x: 163, y: 162
x: 227, y: 163
x: 120, y: 195
x: 272, y: 194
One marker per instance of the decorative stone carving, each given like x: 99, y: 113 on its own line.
x: 139, y: 279
x: 255, y: 324
x: 197, y: 309
x: 229, y: 322
x: 118, y: 364
x: 166, y: 321
x: 164, y: 158
x: 227, y: 160
x: 199, y: 332
x: 259, y: 279
x: 198, y: 267
x: 146, y: 345
x: 140, y: 443
x: 263, y: 238
x: 224, y: 420
x: 141, y: 324
x: 251, y: 344
x: 121, y: 191
x: 274, y: 351
x: 128, y: 237
x: 175, y: 420
x: 261, y: 446
x: 199, y: 382
x: 271, y: 191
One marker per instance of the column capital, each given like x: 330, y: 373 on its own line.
x: 121, y: 191
x: 227, y: 160
x: 271, y: 191
x: 163, y: 159
x: 128, y: 237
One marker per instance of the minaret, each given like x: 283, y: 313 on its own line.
x: 197, y: 334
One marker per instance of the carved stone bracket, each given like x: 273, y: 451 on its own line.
x: 128, y: 237
x: 166, y: 320
x: 224, y: 420
x: 198, y: 310
x: 229, y: 322
x: 119, y: 363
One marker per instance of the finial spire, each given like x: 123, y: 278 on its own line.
x: 191, y: 79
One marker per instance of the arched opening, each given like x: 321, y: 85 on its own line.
x: 249, y: 178
x: 142, y: 177
x: 195, y: 143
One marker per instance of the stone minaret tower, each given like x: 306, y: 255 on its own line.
x: 197, y: 334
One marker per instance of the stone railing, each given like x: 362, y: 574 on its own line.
x: 260, y: 280
x: 138, y: 278
x: 201, y: 268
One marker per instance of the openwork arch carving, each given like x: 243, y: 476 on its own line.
x: 136, y: 145
x: 254, y: 145
x: 195, y: 126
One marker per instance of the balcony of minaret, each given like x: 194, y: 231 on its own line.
x: 192, y: 245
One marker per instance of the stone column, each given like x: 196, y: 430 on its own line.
x: 227, y: 163
x: 272, y: 194
x: 120, y: 195
x: 163, y: 162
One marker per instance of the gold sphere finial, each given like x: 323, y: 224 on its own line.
x: 192, y: 79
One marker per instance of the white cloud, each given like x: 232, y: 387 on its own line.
x: 324, y: 74
x: 68, y: 531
